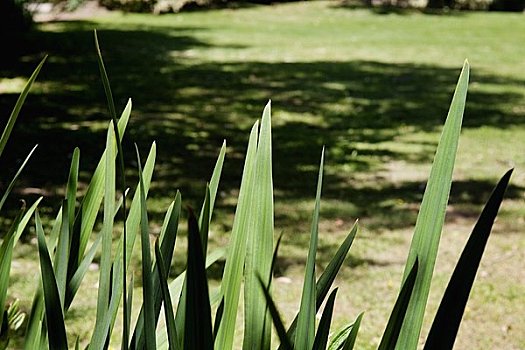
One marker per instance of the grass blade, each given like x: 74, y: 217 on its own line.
x: 147, y: 278
x: 112, y: 112
x: 74, y: 225
x: 259, y: 251
x: 56, y: 328
x: 25, y: 219
x: 34, y: 324
x: 13, y: 181
x: 129, y: 303
x: 175, y: 288
x: 338, y: 340
x: 204, y: 226
x: 214, y: 183
x: 78, y: 276
x: 305, y: 335
x: 350, y: 341
x: 198, y: 330
x: 71, y: 187
x: 324, y: 283
x: 18, y: 106
x: 204, y: 231
x: 277, y: 321
x: 168, y: 235
x: 321, y: 338
x: 429, y: 224
x: 233, y: 269
x: 393, y: 327
x: 206, y: 212
x: 6, y: 255
x: 166, y: 299
x: 104, y: 294
x: 62, y: 255
x: 450, y: 312
x: 95, y: 192
x: 218, y: 318
x: 133, y: 226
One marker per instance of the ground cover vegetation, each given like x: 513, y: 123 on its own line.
x: 332, y: 91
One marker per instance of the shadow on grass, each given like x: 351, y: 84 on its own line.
x: 189, y: 106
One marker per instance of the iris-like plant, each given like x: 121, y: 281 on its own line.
x: 70, y: 246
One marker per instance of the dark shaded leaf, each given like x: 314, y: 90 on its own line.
x: 218, y: 318
x: 147, y: 277
x: 166, y: 299
x: 56, y: 328
x: 324, y: 283
x: 6, y: 255
x: 277, y: 321
x: 198, y: 333
x: 350, y: 341
x: 168, y: 238
x: 450, y: 312
x: 393, y: 327
x: 321, y: 338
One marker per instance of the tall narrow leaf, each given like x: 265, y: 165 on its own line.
x: 95, y: 192
x: 259, y: 251
x: 214, y: 183
x: 321, y: 338
x: 204, y: 222
x: 450, y: 312
x: 168, y: 235
x: 233, y: 269
x: 25, y: 219
x: 198, y: 330
x: 62, y: 254
x: 276, y: 318
x: 393, y: 327
x: 324, y: 283
x: 147, y: 278
x: 107, y: 235
x: 13, y: 181
x: 54, y: 314
x: 112, y: 112
x: 431, y: 216
x: 305, y: 334
x: 6, y: 255
x: 18, y: 106
x: 166, y: 299
x: 352, y: 336
x: 71, y: 187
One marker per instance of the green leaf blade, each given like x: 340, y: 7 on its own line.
x: 352, y: 336
x: 393, y: 327
x: 233, y: 269
x: 259, y: 253
x: 56, y: 328
x: 305, y: 335
x: 18, y: 106
x: 429, y: 224
x: 198, y: 333
x: 321, y: 338
x: 444, y: 329
x: 147, y: 277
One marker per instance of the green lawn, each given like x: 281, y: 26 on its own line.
x: 374, y: 88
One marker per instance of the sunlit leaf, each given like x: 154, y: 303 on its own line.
x: 429, y: 224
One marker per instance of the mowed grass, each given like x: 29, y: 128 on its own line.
x: 374, y: 88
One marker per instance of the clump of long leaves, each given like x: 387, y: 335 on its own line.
x: 187, y: 302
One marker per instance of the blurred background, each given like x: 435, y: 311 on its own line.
x: 371, y: 80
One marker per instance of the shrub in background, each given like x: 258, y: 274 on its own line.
x: 70, y: 246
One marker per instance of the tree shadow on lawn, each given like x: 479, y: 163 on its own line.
x: 189, y: 106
